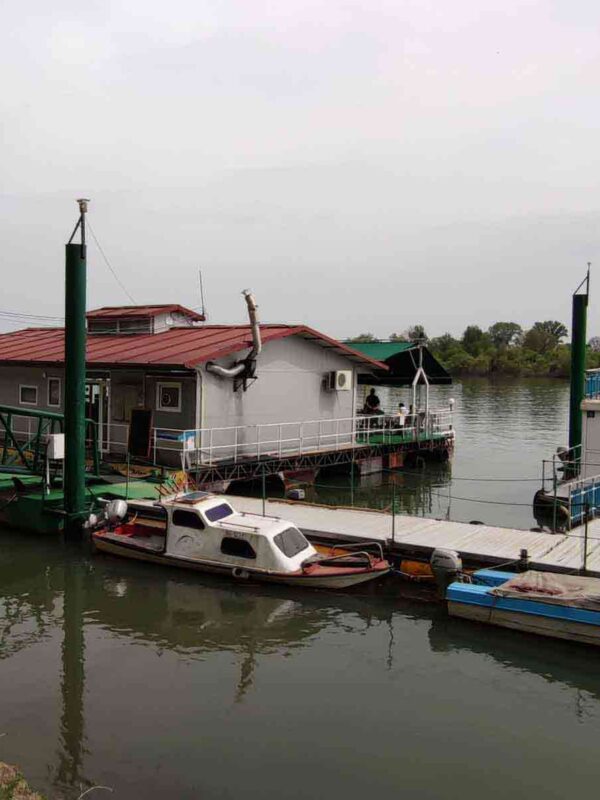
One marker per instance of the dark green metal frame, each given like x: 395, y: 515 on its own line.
x: 29, y: 455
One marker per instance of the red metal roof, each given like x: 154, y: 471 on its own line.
x: 143, y: 311
x: 178, y: 347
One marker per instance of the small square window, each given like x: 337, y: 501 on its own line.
x: 168, y: 396
x: 54, y: 391
x: 239, y: 548
x: 28, y: 395
x: 187, y: 519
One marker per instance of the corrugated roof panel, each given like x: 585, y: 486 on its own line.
x: 184, y: 347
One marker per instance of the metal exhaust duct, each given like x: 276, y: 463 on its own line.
x: 242, y: 366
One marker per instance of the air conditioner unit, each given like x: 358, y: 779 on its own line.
x: 338, y: 380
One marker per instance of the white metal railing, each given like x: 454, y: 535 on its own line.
x: 25, y: 428
x: 113, y: 437
x: 279, y: 439
x: 184, y: 448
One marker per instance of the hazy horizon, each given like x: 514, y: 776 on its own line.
x: 360, y: 168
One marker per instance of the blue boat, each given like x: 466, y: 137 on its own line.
x: 548, y: 604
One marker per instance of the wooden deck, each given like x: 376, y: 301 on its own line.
x: 419, y: 536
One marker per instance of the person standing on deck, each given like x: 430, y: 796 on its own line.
x: 401, y: 414
x: 372, y: 403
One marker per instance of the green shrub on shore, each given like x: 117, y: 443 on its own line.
x: 504, y: 349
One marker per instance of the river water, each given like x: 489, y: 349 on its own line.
x: 504, y: 430
x: 158, y: 684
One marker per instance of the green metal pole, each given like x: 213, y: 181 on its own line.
x: 393, y: 511
x: 585, y: 538
x: 75, y: 337
x: 578, y: 342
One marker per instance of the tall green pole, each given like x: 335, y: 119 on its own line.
x: 578, y: 344
x: 75, y: 337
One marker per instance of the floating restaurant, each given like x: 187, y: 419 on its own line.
x: 223, y: 402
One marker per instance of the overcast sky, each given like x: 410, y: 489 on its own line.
x: 361, y: 165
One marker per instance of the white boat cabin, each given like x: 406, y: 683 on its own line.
x: 204, y: 527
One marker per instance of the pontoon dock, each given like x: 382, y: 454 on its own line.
x: 419, y: 536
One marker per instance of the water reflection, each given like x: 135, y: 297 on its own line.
x: 28, y: 598
x: 555, y: 661
x: 72, y: 674
x: 417, y: 492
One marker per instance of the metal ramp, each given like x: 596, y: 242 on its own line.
x: 24, y: 437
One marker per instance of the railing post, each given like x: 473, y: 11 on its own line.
x: 301, y: 438
x: 235, y: 450
x: 543, y: 474
x: 555, y: 487
x: 264, y: 491
x: 585, y: 539
x: 393, y: 511
x: 210, y: 447
x: 280, y: 440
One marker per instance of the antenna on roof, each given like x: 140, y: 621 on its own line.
x: 203, y: 311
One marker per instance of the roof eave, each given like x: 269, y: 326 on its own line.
x: 349, y: 352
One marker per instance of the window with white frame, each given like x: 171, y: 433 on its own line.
x: 168, y: 397
x: 28, y: 395
x: 54, y: 391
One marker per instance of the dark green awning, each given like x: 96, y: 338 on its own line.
x: 402, y: 358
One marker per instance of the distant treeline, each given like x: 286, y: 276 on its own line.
x: 505, y: 348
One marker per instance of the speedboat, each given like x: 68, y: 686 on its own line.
x: 202, y: 531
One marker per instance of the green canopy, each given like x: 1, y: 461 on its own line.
x: 402, y: 358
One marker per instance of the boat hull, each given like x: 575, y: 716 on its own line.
x: 559, y: 620
x: 335, y: 579
x: 542, y: 626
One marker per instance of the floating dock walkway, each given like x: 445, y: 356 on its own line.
x: 418, y: 537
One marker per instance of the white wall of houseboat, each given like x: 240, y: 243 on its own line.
x: 288, y: 388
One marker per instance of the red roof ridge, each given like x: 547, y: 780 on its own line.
x: 146, y: 310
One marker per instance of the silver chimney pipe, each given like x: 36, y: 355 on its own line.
x: 253, y: 316
x: 241, y: 366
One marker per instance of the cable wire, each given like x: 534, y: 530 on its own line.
x: 108, y: 264
x: 18, y: 315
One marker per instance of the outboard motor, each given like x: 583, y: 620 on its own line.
x: 92, y: 522
x: 446, y: 566
x: 115, y: 511
x: 112, y: 514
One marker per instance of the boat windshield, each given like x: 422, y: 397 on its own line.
x: 219, y: 512
x: 291, y: 542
